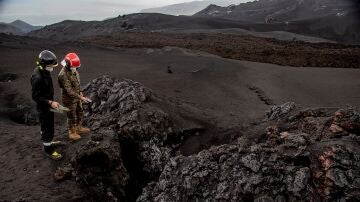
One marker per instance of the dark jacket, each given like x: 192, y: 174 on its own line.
x: 42, y: 88
x: 70, y: 85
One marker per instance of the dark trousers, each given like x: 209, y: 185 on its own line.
x: 46, y: 118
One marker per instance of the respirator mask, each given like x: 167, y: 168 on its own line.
x: 65, y: 64
x: 49, y: 69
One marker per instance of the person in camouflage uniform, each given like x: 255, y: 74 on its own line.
x: 72, y: 97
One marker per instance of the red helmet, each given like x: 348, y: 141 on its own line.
x: 73, y: 60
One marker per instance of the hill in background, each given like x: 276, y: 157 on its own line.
x: 189, y: 8
x: 18, y: 27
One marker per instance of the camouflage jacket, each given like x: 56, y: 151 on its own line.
x: 70, y: 85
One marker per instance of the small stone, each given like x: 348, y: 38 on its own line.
x: 222, y: 158
x: 300, y: 180
x: 284, y: 135
x: 122, y: 123
x: 250, y: 162
x: 272, y: 130
x: 336, y: 129
x: 338, y: 177
x: 63, y: 173
x: 97, y: 137
x: 173, y: 162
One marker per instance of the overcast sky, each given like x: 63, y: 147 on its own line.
x: 43, y: 12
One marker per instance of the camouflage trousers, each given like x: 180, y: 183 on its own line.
x: 76, y: 113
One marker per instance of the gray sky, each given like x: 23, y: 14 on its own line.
x: 43, y: 12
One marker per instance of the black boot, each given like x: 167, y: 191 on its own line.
x: 52, y: 153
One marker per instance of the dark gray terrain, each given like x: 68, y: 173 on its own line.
x: 170, y: 125
x: 331, y: 19
x: 220, y: 106
x: 281, y: 10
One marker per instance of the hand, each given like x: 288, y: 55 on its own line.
x: 85, y: 99
x: 54, y: 104
x: 81, y: 94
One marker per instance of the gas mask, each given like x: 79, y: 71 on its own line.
x: 63, y: 63
x: 66, y: 64
x: 50, y: 68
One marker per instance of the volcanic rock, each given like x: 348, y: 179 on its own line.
x: 99, y: 167
x: 134, y: 137
x: 277, y: 111
x: 126, y: 107
x: 300, y: 161
x: 292, y: 155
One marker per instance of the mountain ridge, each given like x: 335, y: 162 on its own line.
x: 280, y: 10
x: 17, y: 27
x: 333, y: 20
x: 24, y: 26
x: 188, y: 8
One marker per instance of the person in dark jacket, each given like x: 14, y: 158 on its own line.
x: 43, y: 95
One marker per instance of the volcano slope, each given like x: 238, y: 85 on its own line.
x: 229, y: 97
x: 232, y: 46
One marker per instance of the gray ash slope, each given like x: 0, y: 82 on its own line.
x: 281, y: 10
x: 141, y: 22
x: 234, y: 92
x: 188, y: 8
x: 293, y: 154
x: 332, y: 20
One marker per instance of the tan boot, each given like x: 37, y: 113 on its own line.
x: 73, y: 135
x: 81, y: 130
